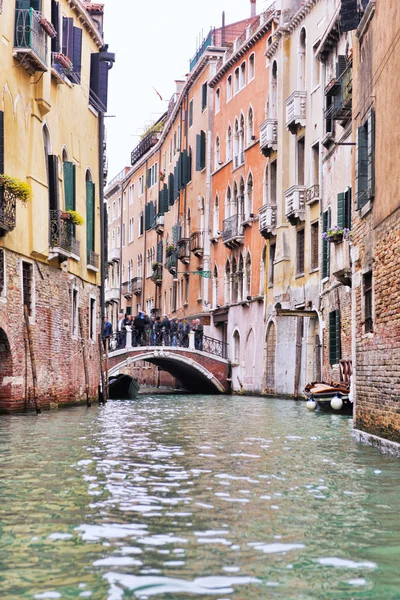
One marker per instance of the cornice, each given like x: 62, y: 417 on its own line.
x: 87, y: 21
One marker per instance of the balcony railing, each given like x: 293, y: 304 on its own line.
x: 156, y: 276
x: 197, y: 243
x: 269, y: 136
x: 92, y: 259
x: 341, y: 90
x: 62, y: 235
x: 267, y: 219
x: 58, y: 71
x: 7, y: 211
x: 296, y: 111
x: 207, y: 42
x: 295, y: 198
x: 183, y: 252
x: 137, y: 285
x: 114, y: 254
x: 232, y: 233
x: 171, y: 262
x: 312, y: 194
x: 126, y: 289
x: 144, y: 146
x: 30, y: 40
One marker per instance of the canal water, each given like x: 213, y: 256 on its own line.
x: 174, y: 497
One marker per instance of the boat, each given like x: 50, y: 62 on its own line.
x: 122, y: 387
x: 332, y: 396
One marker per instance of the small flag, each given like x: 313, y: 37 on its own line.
x: 158, y: 93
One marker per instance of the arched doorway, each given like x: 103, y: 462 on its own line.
x: 6, y: 367
x: 270, y: 384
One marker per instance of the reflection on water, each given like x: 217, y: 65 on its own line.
x: 208, y: 497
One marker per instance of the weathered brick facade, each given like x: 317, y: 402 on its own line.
x: 58, y: 352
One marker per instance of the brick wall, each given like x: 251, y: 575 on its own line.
x: 59, y: 362
x: 337, y: 298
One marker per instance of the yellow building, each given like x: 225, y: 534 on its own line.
x: 53, y: 82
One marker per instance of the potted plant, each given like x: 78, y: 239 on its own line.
x: 48, y: 27
x: 73, y: 216
x: 336, y: 234
x: 64, y: 61
x: 155, y: 266
x: 170, y: 249
x: 161, y: 175
x: 16, y: 187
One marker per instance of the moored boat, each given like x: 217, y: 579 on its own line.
x: 333, y: 396
x: 122, y: 387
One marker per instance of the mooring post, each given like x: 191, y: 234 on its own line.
x: 33, y: 361
x: 85, y: 366
x: 103, y: 399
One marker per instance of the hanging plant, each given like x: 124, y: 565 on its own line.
x: 16, y: 187
x: 75, y: 217
x: 48, y: 27
x: 155, y: 266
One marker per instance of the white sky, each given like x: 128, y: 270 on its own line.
x: 153, y: 41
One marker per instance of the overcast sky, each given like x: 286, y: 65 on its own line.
x: 153, y: 41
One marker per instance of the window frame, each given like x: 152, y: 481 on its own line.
x: 252, y: 67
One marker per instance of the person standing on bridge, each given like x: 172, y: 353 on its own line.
x: 107, y: 332
x: 165, y: 331
x: 198, y: 334
x: 174, y: 332
x: 184, y: 330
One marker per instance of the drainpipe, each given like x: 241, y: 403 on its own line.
x: 144, y: 239
x: 208, y: 198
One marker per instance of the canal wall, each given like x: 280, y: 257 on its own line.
x: 56, y: 298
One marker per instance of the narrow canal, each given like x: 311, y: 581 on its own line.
x: 200, y: 496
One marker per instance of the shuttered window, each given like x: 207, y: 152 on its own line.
x: 326, y: 223
x: 200, y: 151
x: 300, y: 252
x: 98, y: 94
x: 27, y: 292
x: 204, y: 96
x: 160, y: 252
x: 54, y: 203
x: 314, y: 245
x: 171, y: 189
x: 69, y: 185
x: 366, y: 161
x: 76, y: 57
x: 90, y: 215
x: 344, y: 209
x: 190, y: 113
x: 334, y: 337
x: 272, y: 251
x: 367, y: 289
x: 55, y: 21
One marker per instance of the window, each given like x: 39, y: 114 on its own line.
x: 229, y: 144
x: 316, y: 67
x: 170, y: 151
x: 271, y: 260
x: 334, y: 337
x: 329, y: 106
x: 272, y: 187
x: 69, y: 171
x: 314, y: 245
x: 367, y: 289
x: 217, y: 100
x: 114, y: 210
x: 344, y: 209
x: 315, y: 165
x: 92, y: 319
x: 236, y: 85
x: 74, y: 319
x: 119, y: 206
x: 141, y: 185
x: 300, y: 161
x: 141, y: 224
x: 123, y: 234
x: 217, y: 156
x: 365, y: 167
x: 215, y: 288
x: 242, y: 75
x: 236, y: 347
x: 273, y: 94
x: 153, y: 176
x: 300, y: 252
x: 190, y: 115
x: 131, y: 193
x: 204, y: 89
x: 326, y: 223
x: 27, y: 286
x: 229, y: 88
x: 216, y: 216
x: 164, y: 162
x: 200, y: 151
x: 251, y: 66
x: 178, y: 140
x: 2, y: 274
x: 241, y: 140
x: 249, y: 197
x: 301, y: 54
x: 236, y: 144
x: 131, y: 230
x: 250, y: 127
x: 90, y: 215
x: 72, y: 47
x: 174, y: 143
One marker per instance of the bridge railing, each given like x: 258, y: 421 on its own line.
x: 163, y: 337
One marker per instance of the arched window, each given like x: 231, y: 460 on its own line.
x: 188, y: 219
x: 249, y: 197
x: 229, y: 144
x: 266, y: 185
x: 234, y: 201
x: 241, y: 140
x: 240, y: 296
x: 242, y: 212
x: 149, y: 262
x: 262, y: 270
x: 273, y: 94
x: 242, y: 74
x: 140, y: 266
x: 227, y: 283
x: 228, y: 202
x: 215, y: 287
x: 90, y: 218
x: 236, y: 347
x: 236, y: 144
x: 216, y: 216
x: 250, y: 127
x: 217, y: 154
x: 234, y: 279
x: 247, y: 278
x: 69, y: 173
x: 301, y: 71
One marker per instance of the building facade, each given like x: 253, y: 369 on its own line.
x: 50, y: 246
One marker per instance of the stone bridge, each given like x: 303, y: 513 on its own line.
x: 198, y: 371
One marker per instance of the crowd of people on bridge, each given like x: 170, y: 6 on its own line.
x: 152, y: 331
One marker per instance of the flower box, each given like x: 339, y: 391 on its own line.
x: 63, y: 61
x: 48, y: 27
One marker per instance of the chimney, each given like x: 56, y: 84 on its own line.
x: 253, y: 8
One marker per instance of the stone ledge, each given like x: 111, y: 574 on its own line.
x: 386, y: 446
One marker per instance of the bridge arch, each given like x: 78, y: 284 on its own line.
x: 195, y: 377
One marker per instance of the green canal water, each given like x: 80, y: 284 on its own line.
x: 174, y: 497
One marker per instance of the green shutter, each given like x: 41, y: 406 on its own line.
x: 161, y: 202
x: 347, y: 209
x: 190, y: 113
x: 69, y: 185
x: 165, y: 193
x: 362, y: 166
x: 198, y: 153
x: 160, y: 252
x: 171, y: 188
x: 340, y: 210
x: 326, y: 223
x: 89, y: 215
x: 203, y: 149
x: 371, y: 155
x: 338, y: 340
x: 176, y: 182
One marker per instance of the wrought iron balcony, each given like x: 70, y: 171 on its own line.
x: 156, y: 276
x: 183, y: 252
x: 58, y: 71
x: 114, y: 254
x: 62, y: 236
x: 232, y: 232
x: 30, y: 40
x: 92, y: 260
x: 137, y: 285
x: 313, y: 194
x: 296, y: 111
x: 7, y: 211
x: 267, y: 220
x: 295, y: 199
x: 126, y: 289
x: 112, y: 294
x: 171, y: 262
x: 269, y: 136
x: 341, y: 90
x: 144, y: 146
x: 197, y: 243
